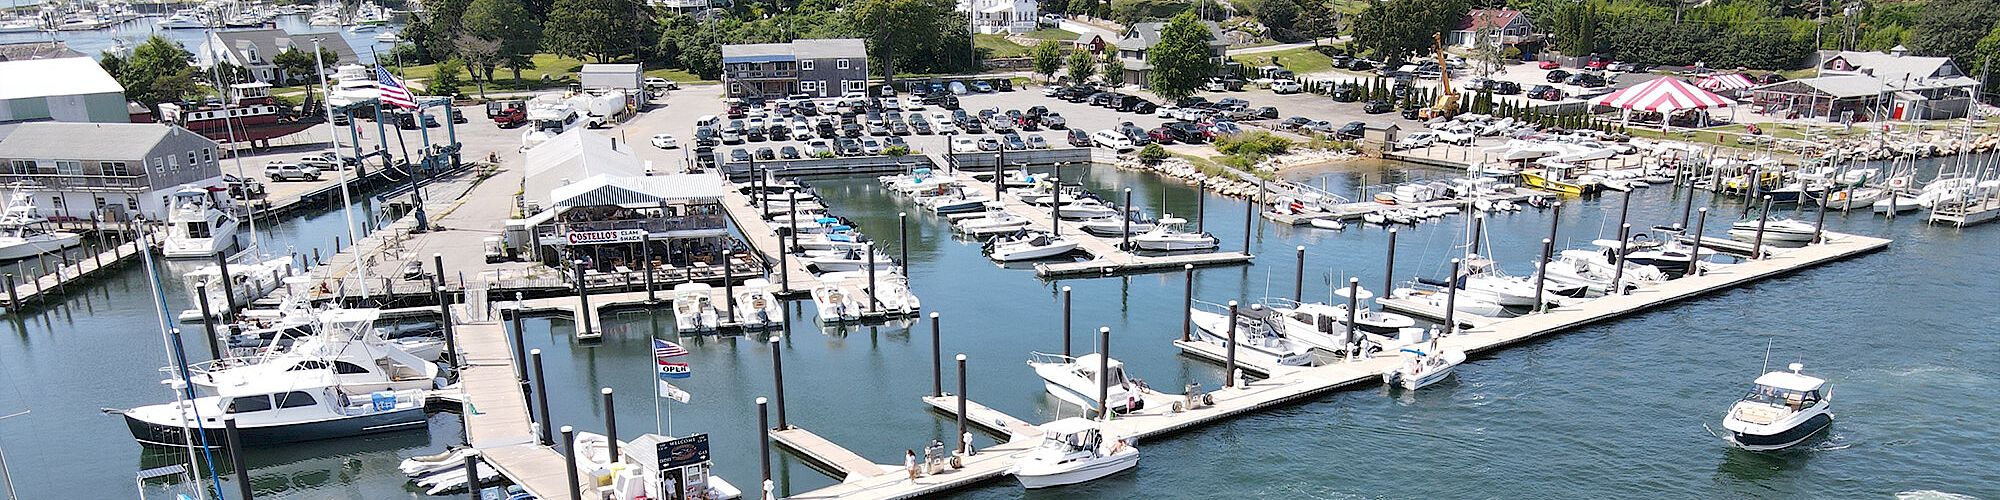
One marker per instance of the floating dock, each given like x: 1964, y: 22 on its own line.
x: 59, y: 275
x: 1165, y: 414
x: 1106, y: 258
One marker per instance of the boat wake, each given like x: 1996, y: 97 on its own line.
x: 1932, y: 495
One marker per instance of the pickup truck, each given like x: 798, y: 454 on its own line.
x: 327, y: 161
x: 281, y: 171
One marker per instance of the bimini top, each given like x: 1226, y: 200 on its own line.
x: 1791, y: 381
x: 1068, y: 426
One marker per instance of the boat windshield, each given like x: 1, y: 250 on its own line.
x: 1776, y: 396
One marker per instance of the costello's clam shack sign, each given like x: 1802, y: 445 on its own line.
x: 579, y: 238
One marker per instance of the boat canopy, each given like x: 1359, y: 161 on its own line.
x: 1790, y: 381
x: 1068, y: 426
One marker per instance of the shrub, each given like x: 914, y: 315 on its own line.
x: 897, y: 151
x: 1152, y: 154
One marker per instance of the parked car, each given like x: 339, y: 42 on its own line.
x: 1222, y: 128
x: 1376, y: 107
x: 1416, y: 140
x: 1216, y: 85
x: 1359, y: 64
x: 766, y: 153
x: 1035, y: 141
x: 326, y: 161
x: 1145, y: 107
x: 1346, y: 92
x: 981, y: 86
x: 1545, y: 92
x: 963, y: 143
x: 1160, y: 135
x: 989, y: 143
x: 1012, y: 142
x: 1113, y: 140
x: 1293, y: 123
x: 1547, y: 64
x: 1286, y: 87
x: 1504, y: 87
x: 1597, y: 61
x: 1186, y: 133
x: 1265, y: 113
x: 665, y: 141
x: 282, y: 171
x: 1077, y: 137
x: 1587, y: 80
x: 739, y: 155
x: 1055, y: 121
x: 817, y: 147
x: 919, y: 125
x: 1557, y: 76
x: 1352, y: 130
x: 893, y: 141
x: 849, y: 147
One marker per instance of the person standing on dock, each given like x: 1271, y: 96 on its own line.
x: 910, y: 462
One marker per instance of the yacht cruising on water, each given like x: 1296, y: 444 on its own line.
x: 1073, y: 451
x: 1075, y: 381
x: 1783, y: 409
x: 25, y: 233
x: 199, y: 225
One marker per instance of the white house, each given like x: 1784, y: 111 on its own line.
x: 254, y: 50
x: 1002, y: 16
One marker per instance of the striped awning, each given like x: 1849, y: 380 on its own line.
x: 1732, y: 81
x: 1663, y: 94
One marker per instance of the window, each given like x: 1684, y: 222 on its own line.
x: 191, y: 162
x: 840, y: 63
x: 100, y: 203
x: 21, y: 167
x: 207, y: 155
x: 114, y: 168
x: 856, y: 86
x: 808, y: 86
x: 295, y: 399
x: 156, y: 165
x: 56, y: 202
x: 806, y: 65
x: 346, y: 368
x: 173, y: 164
x: 310, y: 364
x: 247, y: 404
x: 69, y: 167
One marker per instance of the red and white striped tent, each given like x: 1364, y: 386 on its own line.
x: 1664, y: 95
x: 1721, y: 83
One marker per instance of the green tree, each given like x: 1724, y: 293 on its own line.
x: 1181, y: 59
x: 1317, y: 19
x: 1393, y: 31
x: 510, y: 23
x: 1953, y: 28
x: 1281, y: 16
x: 444, y: 79
x: 439, y: 25
x: 595, y: 29
x: 1048, y: 57
x: 296, y: 65
x: 1081, y: 66
x: 1113, y: 68
x: 157, y: 72
x: 904, y: 31
x: 480, y: 55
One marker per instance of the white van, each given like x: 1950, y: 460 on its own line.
x: 707, y: 121
x: 1108, y: 138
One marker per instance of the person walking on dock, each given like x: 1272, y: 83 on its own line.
x: 910, y: 462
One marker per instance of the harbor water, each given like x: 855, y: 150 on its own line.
x: 124, y: 36
x: 1614, y: 409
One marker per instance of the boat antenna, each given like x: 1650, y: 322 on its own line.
x: 185, y: 396
x: 1767, y: 357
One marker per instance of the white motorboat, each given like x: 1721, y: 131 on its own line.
x: 1782, y: 229
x: 694, y: 308
x: 1482, y: 281
x: 1073, y: 451
x: 1665, y: 252
x: 848, y: 258
x: 892, y: 290
x: 836, y: 237
x: 182, y: 21
x: 996, y: 221
x: 1464, y: 303
x: 1591, y: 270
x: 199, y: 224
x: 1784, y: 409
x: 1044, y: 194
x: 756, y: 308
x: 1376, y: 218
x: 1259, y: 341
x: 834, y: 304
x: 25, y: 233
x: 1854, y: 198
x: 452, y: 479
x: 1112, y: 226
x: 1086, y: 208
x: 1327, y: 223
x: 247, y: 282
x: 345, y: 352
x: 1170, y: 235
x: 1074, y: 380
x: 388, y: 37
x: 957, y: 203
x: 1028, y: 245
x: 276, y: 410
x: 1322, y: 327
x: 1423, y: 367
x: 426, y: 465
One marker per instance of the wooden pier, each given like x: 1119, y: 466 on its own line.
x: 1165, y: 413
x: 60, y: 275
x: 497, y: 419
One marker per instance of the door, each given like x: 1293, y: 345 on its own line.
x: 1898, y: 114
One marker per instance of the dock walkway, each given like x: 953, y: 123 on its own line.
x: 27, y: 291
x: 1106, y: 258
x: 1161, y: 415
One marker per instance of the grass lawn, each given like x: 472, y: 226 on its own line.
x: 999, y: 46
x: 560, y: 71
x: 1052, y: 34
x: 1300, y: 60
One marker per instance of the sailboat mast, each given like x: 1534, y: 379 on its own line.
x: 183, y: 398
x: 215, y: 71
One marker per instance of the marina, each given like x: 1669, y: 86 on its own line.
x: 795, y: 303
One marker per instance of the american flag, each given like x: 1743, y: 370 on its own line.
x: 663, y: 349
x: 393, y: 91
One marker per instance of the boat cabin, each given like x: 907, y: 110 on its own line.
x: 1086, y: 367
x: 190, y: 217
x: 1789, y: 390
x: 1072, y: 434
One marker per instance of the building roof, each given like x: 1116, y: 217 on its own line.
x: 36, y: 50
x: 821, y: 48
x: 1143, y: 35
x: 573, y: 157
x: 271, y: 42
x: 1487, y: 18
x: 619, y: 69
x: 86, y: 141
x: 1893, y: 67
x: 64, y: 76
x: 605, y: 189
x: 1839, y: 87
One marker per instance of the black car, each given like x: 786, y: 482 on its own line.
x: 1231, y: 103
x: 850, y: 130
x: 973, y: 127
x: 1078, y: 138
x: 1293, y: 123
x: 1145, y: 107
x: 1504, y: 87
x: 847, y: 147
x: 1352, y: 130
x: 766, y: 153
x: 1412, y: 113
x: 780, y: 133
x: 948, y: 102
x: 1187, y: 133
x: 1264, y: 113
x: 1400, y: 91
x: 826, y: 129
x: 1346, y: 92
x: 706, y: 136
x: 1038, y: 110
x: 1585, y: 80
x: 1545, y: 92
x: 1005, y: 85
x: 1557, y: 76
x: 1359, y: 64
x: 1770, y: 78
x: 789, y: 153
x: 919, y: 125
x: 1376, y: 107
x: 755, y: 134
x: 1126, y: 102
x: 1100, y: 98
x: 739, y: 155
x: 1193, y: 102
x: 704, y: 157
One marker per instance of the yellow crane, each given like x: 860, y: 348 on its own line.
x: 1447, y: 99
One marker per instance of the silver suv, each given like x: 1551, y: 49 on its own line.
x: 281, y: 171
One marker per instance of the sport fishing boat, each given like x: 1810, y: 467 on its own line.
x: 694, y: 309
x: 1028, y: 245
x: 1782, y: 410
x: 25, y: 233
x: 1423, y: 367
x: 1664, y: 252
x: 1085, y: 208
x: 756, y: 308
x: 1072, y: 451
x: 1170, y: 234
x: 199, y: 225
x: 247, y: 282
x: 345, y: 350
x: 1074, y: 380
x: 276, y: 410
x: 1259, y: 341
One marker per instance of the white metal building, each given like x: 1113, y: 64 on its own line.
x: 68, y: 89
